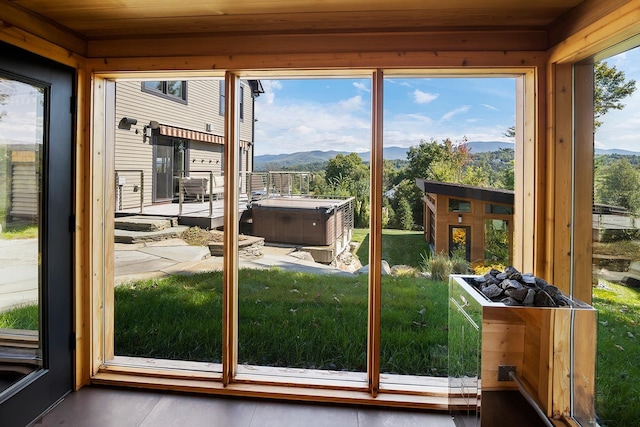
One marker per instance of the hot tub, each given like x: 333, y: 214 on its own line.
x: 303, y: 221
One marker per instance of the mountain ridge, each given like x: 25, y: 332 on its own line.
x: 389, y: 153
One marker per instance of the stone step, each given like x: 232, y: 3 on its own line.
x: 145, y: 223
x: 128, y: 236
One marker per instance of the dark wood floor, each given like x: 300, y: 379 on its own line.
x: 102, y: 407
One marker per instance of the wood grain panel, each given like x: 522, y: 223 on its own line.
x: 320, y: 43
x: 117, y: 18
x: 502, y: 344
x: 563, y: 179
x: 583, y: 182
x: 562, y: 363
x: 446, y: 62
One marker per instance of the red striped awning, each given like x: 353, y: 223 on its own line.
x: 195, y: 135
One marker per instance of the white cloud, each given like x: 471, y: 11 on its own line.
x: 449, y: 115
x: 489, y: 107
x: 361, y: 86
x: 289, y: 126
x: 270, y: 87
x: 421, y: 97
x: 351, y: 104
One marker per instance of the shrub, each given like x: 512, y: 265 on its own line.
x: 609, y: 235
x: 440, y: 267
x: 459, y: 265
x: 482, y: 269
x: 404, y: 215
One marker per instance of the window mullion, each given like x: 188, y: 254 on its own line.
x: 231, y: 219
x: 375, y: 233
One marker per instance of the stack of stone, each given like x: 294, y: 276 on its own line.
x: 513, y: 288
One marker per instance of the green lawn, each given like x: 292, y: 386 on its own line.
x: 286, y: 319
x: 25, y: 317
x: 28, y: 231
x: 398, y: 246
x: 618, y: 361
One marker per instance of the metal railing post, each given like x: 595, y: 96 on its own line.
x: 141, y: 191
x: 118, y: 193
x: 210, y: 193
x: 180, y: 193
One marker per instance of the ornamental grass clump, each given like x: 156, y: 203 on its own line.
x: 440, y: 267
x: 459, y: 265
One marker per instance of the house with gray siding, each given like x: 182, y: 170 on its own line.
x: 168, y: 132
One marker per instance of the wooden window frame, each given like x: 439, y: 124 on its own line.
x: 228, y: 379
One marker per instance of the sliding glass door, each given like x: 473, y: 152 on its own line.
x: 36, y: 191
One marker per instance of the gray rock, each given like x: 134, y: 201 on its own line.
x: 518, y: 294
x: 530, y: 298
x: 510, y: 301
x: 542, y: 299
x: 511, y: 284
x: 528, y: 279
x: 385, y: 269
x: 492, y: 291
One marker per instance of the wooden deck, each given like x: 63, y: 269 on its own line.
x: 203, y: 214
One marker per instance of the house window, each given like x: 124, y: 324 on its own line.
x: 498, y: 209
x: 456, y: 205
x: 221, y: 108
x: 222, y: 96
x: 170, y: 89
x: 241, y: 102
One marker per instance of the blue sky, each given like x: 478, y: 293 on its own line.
x: 334, y: 114
x: 621, y: 128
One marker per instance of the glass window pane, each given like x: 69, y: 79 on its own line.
x: 301, y: 305
x: 498, y: 209
x: 428, y: 126
x: 175, y: 88
x: 168, y: 238
x: 615, y: 243
x: 497, y: 242
x: 21, y: 150
x: 154, y: 85
x: 456, y: 205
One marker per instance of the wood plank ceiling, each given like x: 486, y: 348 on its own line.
x: 112, y: 19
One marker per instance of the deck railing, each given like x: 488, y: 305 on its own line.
x: 121, y: 175
x: 211, y: 190
x: 256, y: 185
x: 278, y: 183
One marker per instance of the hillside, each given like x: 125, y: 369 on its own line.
x: 287, y: 161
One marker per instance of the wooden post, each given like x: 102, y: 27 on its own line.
x: 230, y: 237
x: 375, y: 235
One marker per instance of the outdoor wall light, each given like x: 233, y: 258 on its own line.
x: 147, y: 131
x: 126, y: 122
x: 459, y: 219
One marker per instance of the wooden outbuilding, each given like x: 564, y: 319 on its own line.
x: 458, y: 218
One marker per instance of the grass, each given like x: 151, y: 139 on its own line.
x: 25, y: 231
x: 618, y: 371
x: 398, y: 246
x: 628, y: 248
x: 24, y: 317
x: 286, y: 319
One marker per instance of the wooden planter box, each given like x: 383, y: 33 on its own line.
x: 553, y: 351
